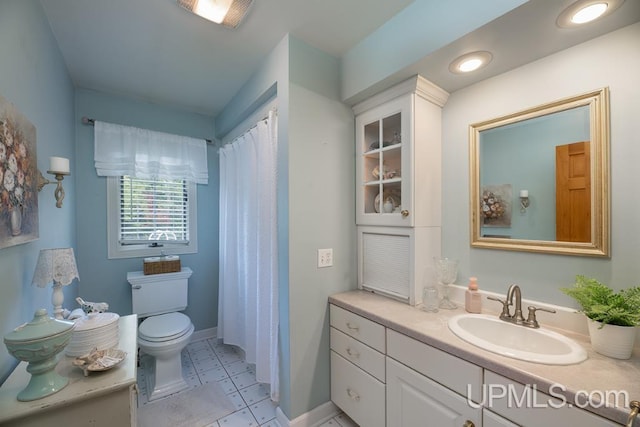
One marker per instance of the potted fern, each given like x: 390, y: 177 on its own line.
x: 612, y: 315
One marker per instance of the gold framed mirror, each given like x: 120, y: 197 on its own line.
x: 539, y: 178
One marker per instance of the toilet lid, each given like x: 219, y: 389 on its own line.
x: 164, y: 327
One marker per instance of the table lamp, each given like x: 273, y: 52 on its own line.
x: 57, y: 266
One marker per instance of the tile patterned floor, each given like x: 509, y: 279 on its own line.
x: 339, y: 421
x: 207, y: 360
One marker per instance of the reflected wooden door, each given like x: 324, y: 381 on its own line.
x: 573, y: 192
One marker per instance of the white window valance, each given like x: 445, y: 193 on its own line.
x: 146, y: 154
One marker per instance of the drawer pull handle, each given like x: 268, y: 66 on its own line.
x: 352, y: 327
x: 468, y: 423
x: 635, y: 408
x: 352, y: 353
x: 352, y: 394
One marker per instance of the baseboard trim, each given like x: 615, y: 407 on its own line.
x: 314, y: 417
x: 204, y: 334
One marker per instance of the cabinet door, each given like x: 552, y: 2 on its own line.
x: 383, y: 170
x: 489, y: 419
x: 415, y: 400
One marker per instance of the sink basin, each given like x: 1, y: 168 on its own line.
x: 518, y: 342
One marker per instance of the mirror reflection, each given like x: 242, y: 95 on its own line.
x: 539, y: 178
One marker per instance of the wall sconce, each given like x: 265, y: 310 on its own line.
x: 524, y: 200
x: 59, y: 167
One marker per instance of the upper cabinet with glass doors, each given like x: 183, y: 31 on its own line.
x: 398, y: 155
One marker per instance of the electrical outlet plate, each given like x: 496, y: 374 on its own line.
x: 325, y: 258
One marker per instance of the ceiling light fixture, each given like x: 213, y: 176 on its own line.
x: 584, y: 11
x: 470, y: 62
x: 226, y: 12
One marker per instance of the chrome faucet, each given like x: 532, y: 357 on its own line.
x: 517, y: 318
x: 517, y: 315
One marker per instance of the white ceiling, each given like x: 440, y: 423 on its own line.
x: 156, y: 51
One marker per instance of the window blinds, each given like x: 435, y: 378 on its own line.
x: 153, y: 210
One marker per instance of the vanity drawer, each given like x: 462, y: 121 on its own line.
x: 534, y: 408
x: 358, y: 394
x: 359, y: 354
x: 364, y: 330
x: 459, y: 375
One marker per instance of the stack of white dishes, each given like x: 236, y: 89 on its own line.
x: 95, y: 330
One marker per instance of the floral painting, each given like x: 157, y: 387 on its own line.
x: 18, y: 177
x: 495, y: 205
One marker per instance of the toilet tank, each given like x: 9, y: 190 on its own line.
x: 158, y: 293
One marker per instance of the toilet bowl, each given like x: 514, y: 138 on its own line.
x: 163, y: 337
x: 164, y: 332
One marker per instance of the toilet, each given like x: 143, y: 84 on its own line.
x: 163, y: 332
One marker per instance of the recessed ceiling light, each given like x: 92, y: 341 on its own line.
x: 584, y: 11
x: 226, y: 12
x: 470, y: 62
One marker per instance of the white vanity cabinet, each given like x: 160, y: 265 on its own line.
x: 357, y: 367
x: 384, y: 373
x: 415, y: 400
x: 380, y: 377
x: 489, y: 419
x: 532, y: 408
x: 428, y: 387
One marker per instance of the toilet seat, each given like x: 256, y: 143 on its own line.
x: 165, y: 327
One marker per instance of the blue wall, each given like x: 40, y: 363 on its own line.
x: 34, y: 79
x: 316, y: 168
x: 106, y: 278
x: 524, y: 155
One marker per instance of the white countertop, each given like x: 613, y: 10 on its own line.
x: 597, y: 373
x: 79, y: 387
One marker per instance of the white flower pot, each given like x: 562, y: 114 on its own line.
x: 612, y: 340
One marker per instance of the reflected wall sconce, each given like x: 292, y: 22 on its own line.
x: 524, y: 200
x: 58, y: 167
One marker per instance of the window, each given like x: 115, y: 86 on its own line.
x: 149, y: 217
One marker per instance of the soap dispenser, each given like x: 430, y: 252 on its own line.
x: 472, y: 298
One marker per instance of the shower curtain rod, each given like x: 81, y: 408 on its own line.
x: 88, y: 121
x: 265, y: 116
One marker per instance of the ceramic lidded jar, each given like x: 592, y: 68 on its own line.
x: 38, y: 343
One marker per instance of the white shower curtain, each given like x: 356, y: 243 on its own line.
x: 248, y: 289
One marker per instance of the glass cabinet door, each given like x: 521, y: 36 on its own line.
x: 382, y: 172
x: 382, y: 165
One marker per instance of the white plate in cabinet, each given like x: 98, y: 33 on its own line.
x: 457, y: 374
x: 364, y: 330
x: 359, y: 354
x: 358, y: 394
x: 532, y: 408
x: 415, y: 400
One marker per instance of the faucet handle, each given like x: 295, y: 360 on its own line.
x: 505, y: 307
x: 531, y: 321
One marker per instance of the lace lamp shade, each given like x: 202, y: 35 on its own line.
x: 57, y: 266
